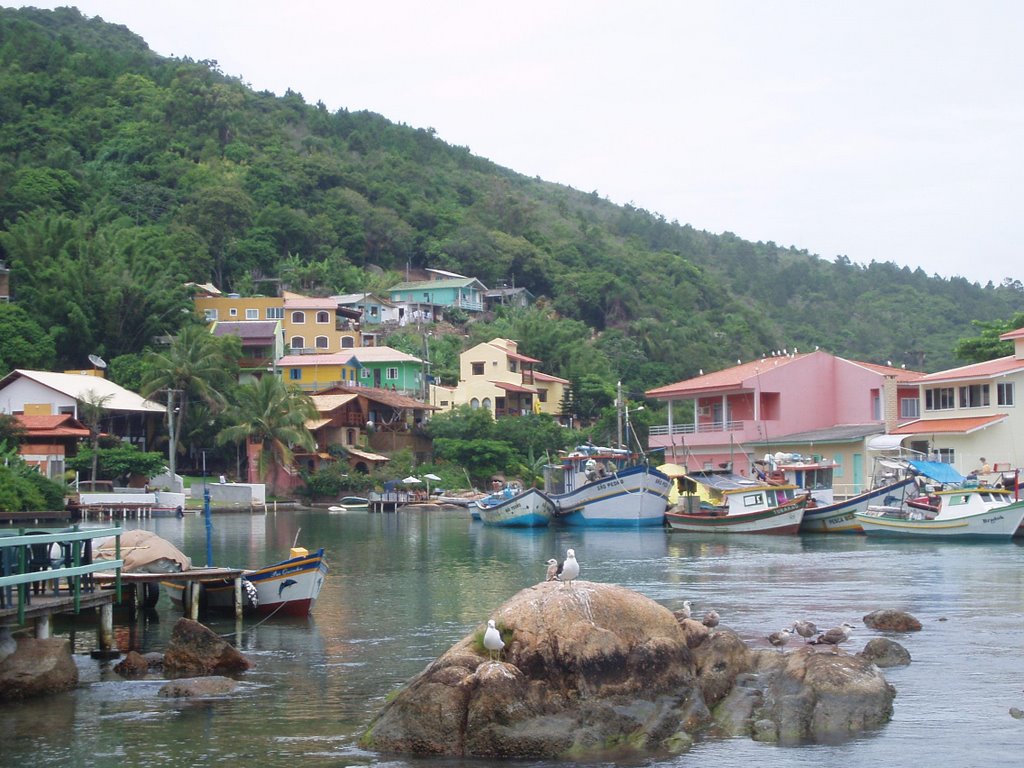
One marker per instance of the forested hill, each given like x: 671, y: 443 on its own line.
x: 124, y: 174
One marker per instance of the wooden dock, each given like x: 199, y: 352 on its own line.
x: 193, y: 578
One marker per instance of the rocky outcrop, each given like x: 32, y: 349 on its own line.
x: 133, y: 665
x: 196, y: 650
x: 885, y: 653
x: 892, y: 621
x: 598, y: 668
x: 37, y: 668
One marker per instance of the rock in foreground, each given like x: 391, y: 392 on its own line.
x: 37, y: 668
x: 599, y: 669
x: 196, y: 650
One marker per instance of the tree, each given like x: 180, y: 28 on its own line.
x: 194, y: 367
x: 986, y: 345
x: 118, y: 461
x: 23, y: 343
x: 91, y: 409
x: 272, y: 415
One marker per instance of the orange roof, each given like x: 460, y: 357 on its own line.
x: 513, y: 387
x: 997, y: 367
x: 962, y: 425
x: 728, y: 378
x: 56, y: 425
x: 901, y: 374
x: 1009, y: 335
x: 539, y: 376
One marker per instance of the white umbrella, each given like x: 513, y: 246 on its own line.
x: 428, y: 477
x: 412, y: 479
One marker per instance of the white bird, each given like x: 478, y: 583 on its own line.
x: 710, y: 619
x: 569, y: 569
x: 553, y: 570
x: 806, y: 629
x: 492, y: 639
x: 780, y: 638
x: 685, y: 611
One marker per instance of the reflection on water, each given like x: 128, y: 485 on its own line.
x: 403, y: 587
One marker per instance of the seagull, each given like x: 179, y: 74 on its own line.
x: 710, y: 619
x: 834, y: 636
x: 780, y: 638
x: 492, y: 639
x: 569, y: 569
x: 805, y: 629
x: 685, y: 610
x: 553, y: 570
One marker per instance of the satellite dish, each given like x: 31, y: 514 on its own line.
x: 98, y: 361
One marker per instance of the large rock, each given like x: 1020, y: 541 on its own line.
x: 196, y: 650
x: 37, y: 668
x: 584, y: 668
x: 883, y: 652
x: 892, y: 621
x: 198, y: 687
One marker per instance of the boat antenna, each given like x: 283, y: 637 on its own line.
x: 296, y: 542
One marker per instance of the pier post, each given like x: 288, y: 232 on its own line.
x: 238, y: 598
x: 193, y: 605
x: 44, y: 625
x: 107, y: 628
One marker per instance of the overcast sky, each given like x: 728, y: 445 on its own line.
x: 879, y: 130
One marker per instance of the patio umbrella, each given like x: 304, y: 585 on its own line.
x: 428, y: 477
x: 411, y: 479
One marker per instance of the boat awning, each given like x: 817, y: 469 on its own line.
x: 937, y: 471
x: 513, y: 387
x: 885, y: 442
x: 366, y: 455
x: 958, y: 426
x: 672, y: 470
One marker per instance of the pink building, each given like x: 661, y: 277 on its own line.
x: 810, y: 403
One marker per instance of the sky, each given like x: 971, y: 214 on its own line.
x: 877, y: 130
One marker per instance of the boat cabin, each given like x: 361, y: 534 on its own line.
x: 723, y: 493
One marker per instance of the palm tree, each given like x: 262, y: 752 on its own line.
x: 272, y: 415
x: 92, y: 407
x: 194, y: 367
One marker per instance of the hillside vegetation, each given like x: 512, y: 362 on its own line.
x: 124, y: 174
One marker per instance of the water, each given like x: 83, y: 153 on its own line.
x: 404, y: 587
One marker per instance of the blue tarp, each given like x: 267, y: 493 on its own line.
x: 937, y: 471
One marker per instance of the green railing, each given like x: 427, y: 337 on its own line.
x: 19, y: 571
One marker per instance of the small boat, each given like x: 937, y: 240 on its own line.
x: 288, y: 588
x: 512, y: 507
x: 718, y: 502
x: 840, y: 516
x: 351, y: 504
x: 594, y: 486
x: 962, y: 512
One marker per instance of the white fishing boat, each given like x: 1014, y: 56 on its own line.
x: 721, y: 502
x: 512, y: 507
x: 594, y: 486
x: 288, y: 588
x: 963, y: 512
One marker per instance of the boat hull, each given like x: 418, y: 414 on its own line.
x: 288, y: 588
x: 636, y: 496
x: 998, y: 523
x: 778, y: 520
x: 840, y: 516
x: 529, y: 509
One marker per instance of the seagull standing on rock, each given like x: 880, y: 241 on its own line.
x: 780, y: 638
x: 710, y: 619
x: 806, y: 629
x: 553, y: 570
x: 834, y: 636
x: 686, y: 610
x: 569, y: 569
x: 492, y: 639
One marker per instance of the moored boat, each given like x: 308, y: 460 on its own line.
x: 288, y: 588
x: 840, y: 516
x: 964, y: 512
x: 350, y: 504
x: 513, y: 508
x: 726, y: 503
x: 599, y: 487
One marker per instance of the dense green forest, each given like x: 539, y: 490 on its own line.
x: 124, y: 175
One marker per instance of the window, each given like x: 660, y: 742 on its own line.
x: 391, y: 374
x: 478, y: 369
x: 513, y: 365
x: 542, y: 395
x: 974, y: 396
x: 298, y: 342
x: 252, y: 314
x: 373, y: 311
x: 364, y: 373
x: 486, y: 403
x: 940, y: 399
x: 753, y: 500
x: 298, y: 317
x: 323, y: 317
x: 474, y: 403
x: 210, y: 315
x: 347, y: 342
x: 322, y: 342
x: 876, y: 407
x: 295, y: 374
x: 275, y: 313
x: 909, y: 408
x: 1004, y: 393
x: 233, y: 312
x: 945, y: 455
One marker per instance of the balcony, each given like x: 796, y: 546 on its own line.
x: 695, y: 429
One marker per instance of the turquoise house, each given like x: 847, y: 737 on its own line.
x: 426, y: 300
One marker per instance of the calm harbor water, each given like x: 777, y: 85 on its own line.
x: 403, y: 587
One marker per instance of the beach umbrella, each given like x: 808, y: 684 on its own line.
x: 428, y: 477
x: 412, y: 479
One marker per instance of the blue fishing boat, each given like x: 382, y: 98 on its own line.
x: 514, y: 508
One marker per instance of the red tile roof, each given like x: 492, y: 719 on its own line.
x: 962, y: 425
x: 727, y: 378
x: 57, y: 425
x: 513, y: 387
x: 997, y: 367
x: 1009, y: 335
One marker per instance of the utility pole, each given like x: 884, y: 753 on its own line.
x: 172, y: 447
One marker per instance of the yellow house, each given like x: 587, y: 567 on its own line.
x: 494, y: 375
x: 318, y: 326
x: 235, y: 307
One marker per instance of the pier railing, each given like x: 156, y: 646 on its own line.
x: 28, y: 560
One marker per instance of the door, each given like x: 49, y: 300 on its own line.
x: 858, y: 473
